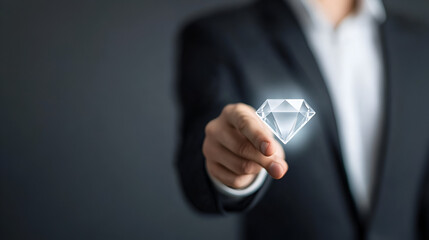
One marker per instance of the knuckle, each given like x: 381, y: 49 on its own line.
x: 239, y: 182
x: 247, y: 167
x: 236, y: 182
x: 245, y: 107
x: 242, y: 122
x: 239, y: 106
x: 210, y: 128
x: 243, y: 148
x: 242, y: 106
x: 233, y: 108
x: 228, y: 109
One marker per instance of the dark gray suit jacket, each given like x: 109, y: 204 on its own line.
x: 257, y: 52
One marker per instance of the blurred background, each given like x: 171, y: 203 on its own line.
x: 89, y: 120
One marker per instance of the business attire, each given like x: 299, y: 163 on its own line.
x: 342, y: 53
x: 359, y: 169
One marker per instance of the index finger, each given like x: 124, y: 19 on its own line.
x: 243, y: 118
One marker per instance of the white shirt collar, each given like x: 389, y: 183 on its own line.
x: 309, y: 13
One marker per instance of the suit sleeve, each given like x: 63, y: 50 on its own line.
x: 207, y: 81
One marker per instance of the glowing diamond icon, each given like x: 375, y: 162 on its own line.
x: 285, y: 117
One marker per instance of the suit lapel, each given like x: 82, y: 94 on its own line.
x: 288, y: 38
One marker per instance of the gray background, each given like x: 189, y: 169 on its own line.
x: 89, y: 120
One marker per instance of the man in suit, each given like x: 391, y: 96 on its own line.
x: 358, y: 170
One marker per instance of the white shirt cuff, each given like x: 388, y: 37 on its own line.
x: 240, y: 193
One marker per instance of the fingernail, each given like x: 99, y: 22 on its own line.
x: 275, y: 170
x: 263, y: 148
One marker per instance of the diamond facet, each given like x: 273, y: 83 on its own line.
x: 285, y: 117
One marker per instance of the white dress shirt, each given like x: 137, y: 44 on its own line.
x: 350, y: 61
